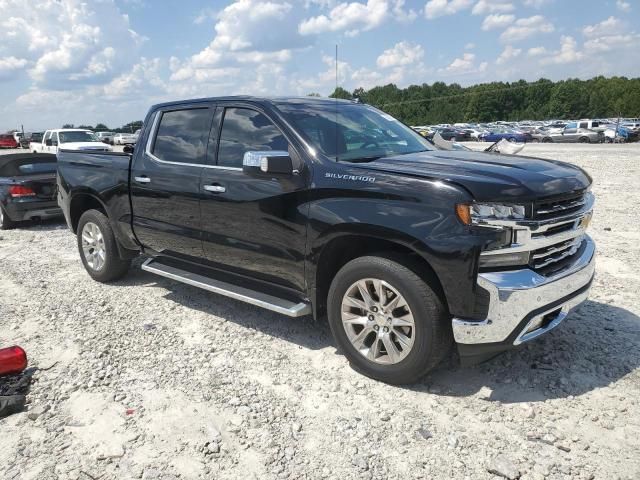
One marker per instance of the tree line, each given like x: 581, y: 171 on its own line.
x: 508, y: 101
x: 130, y: 127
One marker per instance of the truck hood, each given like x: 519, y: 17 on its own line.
x: 85, y: 146
x: 489, y: 176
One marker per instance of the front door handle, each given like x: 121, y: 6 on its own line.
x: 142, y: 179
x: 215, y: 188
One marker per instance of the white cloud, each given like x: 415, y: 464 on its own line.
x: 568, y: 53
x: 536, y: 51
x: 536, y: 3
x: 613, y: 42
x: 492, y: 6
x: 401, y: 15
x: 470, y: 46
x: 246, y: 32
x: 9, y: 65
x: 439, y: 8
x: 71, y: 43
x: 353, y: 17
x: 497, y: 21
x: 403, y: 53
x: 623, y: 6
x: 610, y: 26
x: 526, y: 27
x: 507, y: 54
x: 464, y: 65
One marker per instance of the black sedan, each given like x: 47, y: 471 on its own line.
x: 27, y: 188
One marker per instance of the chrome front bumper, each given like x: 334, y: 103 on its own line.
x: 524, y: 305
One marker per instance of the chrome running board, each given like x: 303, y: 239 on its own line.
x: 259, y: 299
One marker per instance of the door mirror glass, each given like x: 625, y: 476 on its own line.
x: 270, y: 161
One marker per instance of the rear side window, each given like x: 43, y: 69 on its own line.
x: 245, y: 130
x: 182, y: 136
x: 584, y: 125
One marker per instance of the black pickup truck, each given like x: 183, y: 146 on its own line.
x: 335, y: 209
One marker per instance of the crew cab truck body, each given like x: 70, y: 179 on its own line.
x: 69, y: 139
x: 333, y: 208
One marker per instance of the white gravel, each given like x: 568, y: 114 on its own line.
x: 148, y: 378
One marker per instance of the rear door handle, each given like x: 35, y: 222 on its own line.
x: 142, y: 179
x: 215, y: 188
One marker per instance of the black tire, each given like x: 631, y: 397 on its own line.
x: 113, y: 267
x: 547, y: 140
x: 5, y: 222
x: 433, y: 335
x: 512, y: 139
x: 584, y: 140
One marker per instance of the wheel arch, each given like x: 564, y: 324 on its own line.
x: 335, y: 249
x: 80, y: 203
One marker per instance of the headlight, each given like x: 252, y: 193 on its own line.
x: 482, y: 212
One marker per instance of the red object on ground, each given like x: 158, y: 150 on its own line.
x: 12, y: 360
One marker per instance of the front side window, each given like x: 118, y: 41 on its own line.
x: 353, y: 132
x: 245, y: 130
x: 182, y: 136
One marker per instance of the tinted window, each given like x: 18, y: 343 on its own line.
x: 583, y: 125
x: 182, y: 136
x: 245, y: 130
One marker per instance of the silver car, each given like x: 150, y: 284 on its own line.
x: 571, y: 133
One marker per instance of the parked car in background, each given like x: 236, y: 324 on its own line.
x: 69, y: 139
x: 25, y: 141
x: 105, y: 137
x: 571, y: 133
x: 27, y: 188
x: 505, y: 134
x: 7, y: 140
x: 124, y: 139
x: 137, y: 134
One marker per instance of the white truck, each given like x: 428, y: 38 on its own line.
x: 69, y: 139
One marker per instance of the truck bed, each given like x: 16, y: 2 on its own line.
x: 97, y: 176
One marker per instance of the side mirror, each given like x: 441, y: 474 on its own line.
x: 49, y: 142
x: 128, y: 148
x: 271, y: 161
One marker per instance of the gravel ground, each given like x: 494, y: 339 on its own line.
x: 147, y: 378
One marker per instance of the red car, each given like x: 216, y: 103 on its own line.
x: 7, y: 141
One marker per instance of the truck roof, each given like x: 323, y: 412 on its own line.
x: 269, y: 100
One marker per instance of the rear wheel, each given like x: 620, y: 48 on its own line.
x: 5, y: 222
x: 584, y: 140
x: 388, y: 322
x: 547, y: 140
x: 98, y: 248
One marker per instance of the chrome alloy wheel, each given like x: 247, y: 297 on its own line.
x: 93, y: 246
x: 378, y: 321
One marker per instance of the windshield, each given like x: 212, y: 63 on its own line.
x: 77, y: 136
x: 352, y: 132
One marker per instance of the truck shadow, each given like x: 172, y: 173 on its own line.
x: 595, y: 346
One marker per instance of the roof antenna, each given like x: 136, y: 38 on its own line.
x: 335, y: 93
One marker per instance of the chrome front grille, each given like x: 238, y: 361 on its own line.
x: 553, y: 254
x: 555, y: 207
x: 549, y: 242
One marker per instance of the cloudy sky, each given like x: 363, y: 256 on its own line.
x: 73, y: 61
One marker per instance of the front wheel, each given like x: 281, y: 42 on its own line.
x: 584, y: 140
x: 98, y: 248
x: 388, y: 322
